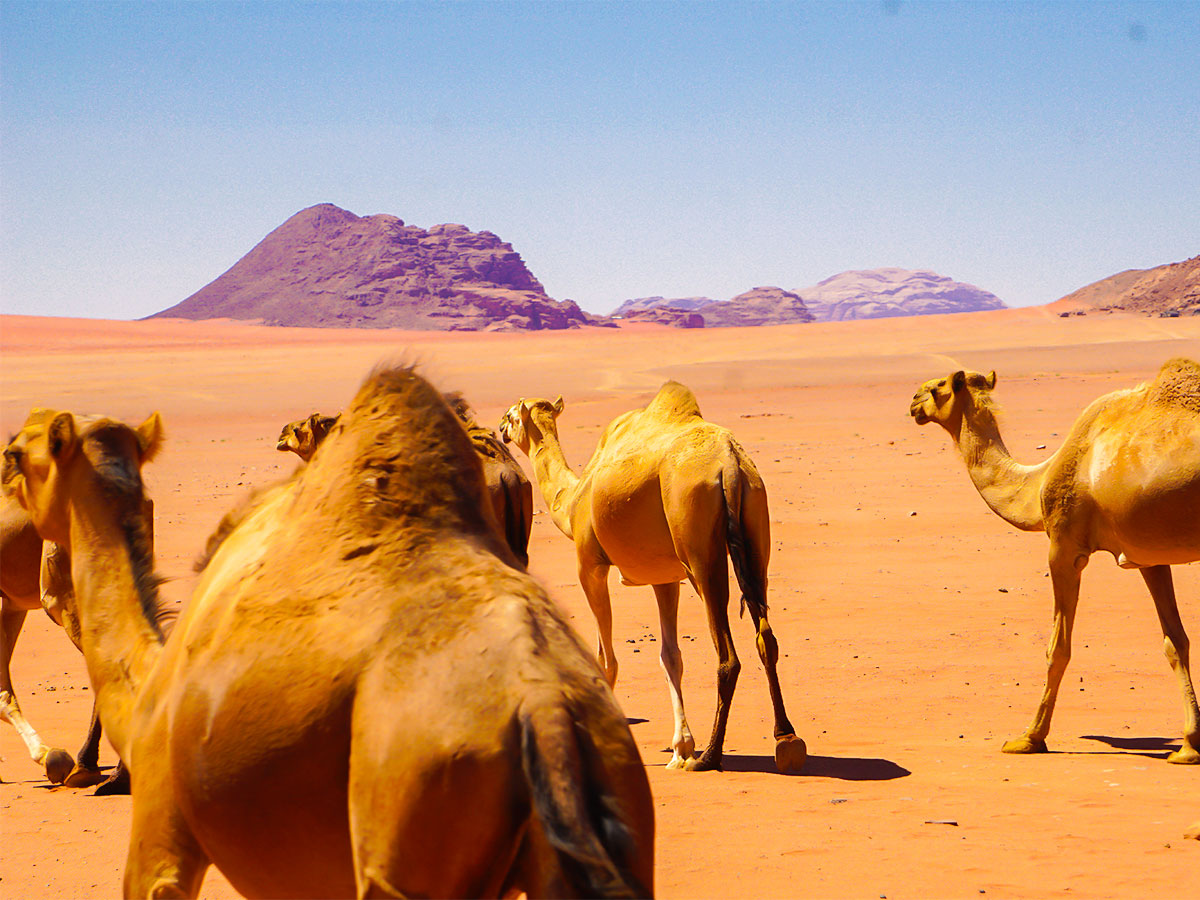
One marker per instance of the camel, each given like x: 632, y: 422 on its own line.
x: 304, y: 435
x: 508, y: 490
x: 665, y: 496
x: 1126, y: 480
x: 36, y: 575
x: 411, y: 717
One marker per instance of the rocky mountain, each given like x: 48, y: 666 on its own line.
x: 1172, y: 289
x: 666, y: 315
x: 640, y: 304
x: 757, y: 306
x: 326, y: 266
x: 880, y: 293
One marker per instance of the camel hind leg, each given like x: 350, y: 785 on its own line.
x: 712, y: 583
x: 1176, y: 646
x: 683, y: 745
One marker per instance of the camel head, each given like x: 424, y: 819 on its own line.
x: 55, y: 452
x: 528, y: 419
x: 303, y: 436
x: 942, y: 400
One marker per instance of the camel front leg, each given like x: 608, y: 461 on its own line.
x: 164, y: 859
x: 1065, y: 570
x: 683, y: 744
x: 58, y: 763
x: 1175, y: 644
x: 593, y: 577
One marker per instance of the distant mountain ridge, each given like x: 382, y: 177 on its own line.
x: 326, y: 266
x: 1171, y: 289
x: 864, y: 294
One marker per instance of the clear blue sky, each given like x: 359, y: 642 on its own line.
x: 624, y: 149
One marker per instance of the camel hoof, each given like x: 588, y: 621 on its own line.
x: 703, y: 764
x: 59, y: 764
x: 81, y: 777
x: 790, y: 754
x: 1025, y: 745
x: 116, y: 784
x: 1185, y: 756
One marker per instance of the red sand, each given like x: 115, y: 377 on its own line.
x: 912, y: 620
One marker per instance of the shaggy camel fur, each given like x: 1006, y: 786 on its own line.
x: 303, y: 436
x: 36, y: 575
x: 1126, y: 480
x: 508, y: 490
x: 665, y: 495
x: 413, y: 717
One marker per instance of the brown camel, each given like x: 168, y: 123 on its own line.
x: 304, y: 435
x: 507, y: 488
x: 1126, y: 480
x: 665, y: 495
x: 36, y: 575
x: 412, y: 717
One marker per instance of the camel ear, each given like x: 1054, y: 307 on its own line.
x: 150, y: 437
x: 958, y: 381
x: 558, y: 405
x: 991, y: 380
x: 62, y: 437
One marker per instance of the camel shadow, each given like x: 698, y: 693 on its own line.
x: 844, y: 768
x: 1152, y: 747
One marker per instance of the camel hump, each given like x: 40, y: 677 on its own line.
x: 674, y: 402
x: 1177, y: 384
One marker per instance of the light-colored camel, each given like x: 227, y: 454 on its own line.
x: 304, y: 435
x: 36, y: 575
x: 1126, y: 480
x: 664, y: 497
x: 507, y: 488
x: 380, y: 703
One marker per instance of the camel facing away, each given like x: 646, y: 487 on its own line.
x: 507, y: 488
x: 665, y: 497
x: 413, y: 717
x: 1126, y: 480
x: 36, y: 575
x: 304, y: 435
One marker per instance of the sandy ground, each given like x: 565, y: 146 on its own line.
x: 912, y: 620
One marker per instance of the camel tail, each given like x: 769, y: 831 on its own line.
x: 753, y: 588
x: 581, y: 816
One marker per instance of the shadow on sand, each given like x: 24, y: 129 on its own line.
x: 1152, y: 747
x: 845, y: 768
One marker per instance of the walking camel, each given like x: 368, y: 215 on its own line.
x: 412, y: 717
x: 507, y: 488
x: 665, y: 495
x: 36, y: 575
x: 1126, y: 480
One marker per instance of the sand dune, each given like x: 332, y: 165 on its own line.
x: 911, y: 620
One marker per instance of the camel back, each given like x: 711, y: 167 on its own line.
x: 398, y: 457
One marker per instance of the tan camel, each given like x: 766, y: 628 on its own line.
x: 1126, y: 480
x: 304, y: 435
x: 412, y: 717
x: 36, y: 575
x: 507, y: 488
x: 665, y: 495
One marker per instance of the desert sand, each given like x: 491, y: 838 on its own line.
x: 912, y: 621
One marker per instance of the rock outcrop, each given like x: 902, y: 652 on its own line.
x: 326, y: 266
x: 640, y: 304
x: 881, y: 293
x: 1168, y: 290
x: 757, y: 306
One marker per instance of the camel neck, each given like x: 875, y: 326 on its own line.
x: 120, y: 643
x: 1011, y: 490
x: 555, y: 479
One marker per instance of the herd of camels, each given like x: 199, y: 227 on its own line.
x: 412, y: 523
